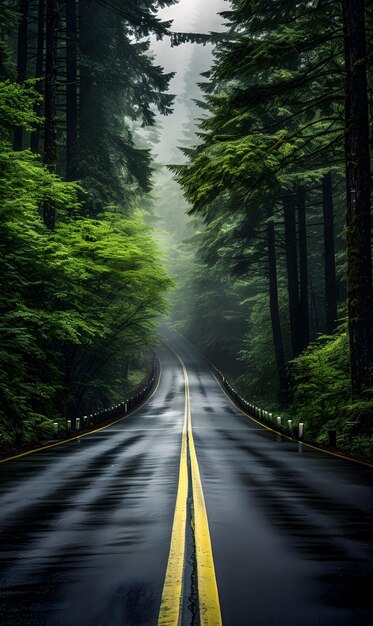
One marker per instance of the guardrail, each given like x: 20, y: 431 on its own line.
x: 277, y: 422
x: 289, y: 427
x: 111, y: 413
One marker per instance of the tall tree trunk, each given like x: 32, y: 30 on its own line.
x: 315, y: 314
x: 90, y: 109
x: 303, y: 269
x: 72, y: 89
x: 22, y: 51
x: 275, y: 313
x: 50, y: 103
x: 329, y: 254
x: 292, y: 272
x: 358, y: 186
x: 35, y: 135
x: 86, y: 88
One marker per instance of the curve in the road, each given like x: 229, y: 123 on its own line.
x: 89, y: 529
x: 307, y: 444
x: 91, y: 431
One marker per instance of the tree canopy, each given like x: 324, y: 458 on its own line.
x: 282, y: 149
x: 81, y: 293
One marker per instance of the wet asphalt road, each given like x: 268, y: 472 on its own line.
x: 85, y: 527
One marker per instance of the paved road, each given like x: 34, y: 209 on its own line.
x: 261, y: 531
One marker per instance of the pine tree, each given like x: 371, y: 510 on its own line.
x: 22, y: 52
x: 329, y: 255
x: 275, y: 130
x: 71, y: 89
x: 275, y: 314
x: 358, y: 184
x: 39, y: 68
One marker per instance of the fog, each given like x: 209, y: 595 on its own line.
x: 188, y: 16
x: 175, y: 229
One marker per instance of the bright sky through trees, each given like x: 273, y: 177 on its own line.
x: 192, y: 16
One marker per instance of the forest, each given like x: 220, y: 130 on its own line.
x: 264, y: 258
x: 82, y: 277
x: 277, y: 176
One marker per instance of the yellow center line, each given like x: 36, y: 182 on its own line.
x: 208, y: 596
x: 170, y: 611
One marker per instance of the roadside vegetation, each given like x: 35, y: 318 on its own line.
x: 278, y: 181
x: 273, y: 266
x: 82, y: 281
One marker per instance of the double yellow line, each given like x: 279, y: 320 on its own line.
x: 171, y: 603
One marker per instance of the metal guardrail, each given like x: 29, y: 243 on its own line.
x: 111, y: 413
x: 280, y: 424
x: 277, y: 422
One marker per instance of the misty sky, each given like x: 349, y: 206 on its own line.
x: 187, y: 16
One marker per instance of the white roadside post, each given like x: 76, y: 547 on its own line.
x: 55, y: 428
x: 300, y: 430
x: 68, y: 425
x: 278, y: 420
x: 77, y: 423
x: 289, y: 424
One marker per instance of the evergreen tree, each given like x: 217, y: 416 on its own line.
x: 271, y: 158
x: 358, y: 185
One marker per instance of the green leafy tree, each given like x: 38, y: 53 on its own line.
x: 79, y: 302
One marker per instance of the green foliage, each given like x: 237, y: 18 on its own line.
x: 321, y: 395
x: 275, y: 99
x: 257, y: 357
x: 77, y: 304
x: 320, y: 380
x: 121, y: 88
x: 273, y: 125
x: 8, y: 19
x: 17, y: 104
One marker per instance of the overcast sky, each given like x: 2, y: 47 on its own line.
x: 187, y: 16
